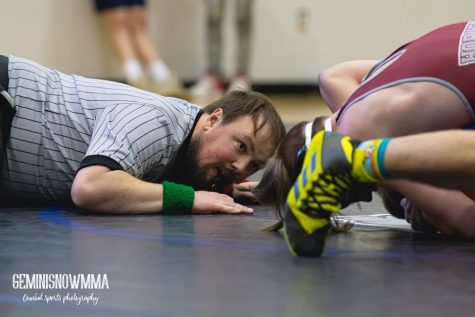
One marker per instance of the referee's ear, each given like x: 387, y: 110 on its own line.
x: 214, y: 118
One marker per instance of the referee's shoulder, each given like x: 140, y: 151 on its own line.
x: 171, y: 107
x: 180, y: 105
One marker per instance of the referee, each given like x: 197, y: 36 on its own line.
x: 112, y: 148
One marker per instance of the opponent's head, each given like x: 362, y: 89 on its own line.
x: 286, y: 164
x: 238, y: 136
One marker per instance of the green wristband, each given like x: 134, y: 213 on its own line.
x: 177, y: 198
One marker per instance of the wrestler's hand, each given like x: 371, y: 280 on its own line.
x: 415, y: 217
x: 243, y: 192
x: 210, y: 202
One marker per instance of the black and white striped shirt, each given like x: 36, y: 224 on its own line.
x: 63, y: 120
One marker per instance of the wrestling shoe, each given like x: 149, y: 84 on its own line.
x: 321, y: 189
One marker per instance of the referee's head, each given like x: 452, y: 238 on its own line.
x: 233, y: 139
x: 253, y: 104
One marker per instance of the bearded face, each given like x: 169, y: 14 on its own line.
x: 227, y: 153
x: 210, y: 177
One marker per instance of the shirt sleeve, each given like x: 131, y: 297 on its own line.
x: 135, y: 137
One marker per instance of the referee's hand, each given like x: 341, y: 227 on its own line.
x: 210, y: 203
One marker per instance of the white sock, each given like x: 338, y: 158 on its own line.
x: 158, y: 70
x: 133, y: 70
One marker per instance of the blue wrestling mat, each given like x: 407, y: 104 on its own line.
x: 222, y: 265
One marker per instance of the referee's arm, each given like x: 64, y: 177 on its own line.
x: 97, y: 188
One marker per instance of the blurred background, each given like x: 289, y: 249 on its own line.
x: 291, y: 40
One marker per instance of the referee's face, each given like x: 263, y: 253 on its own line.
x: 228, y: 153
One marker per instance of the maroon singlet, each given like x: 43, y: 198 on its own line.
x: 445, y: 56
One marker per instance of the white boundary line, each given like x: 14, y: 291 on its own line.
x: 382, y: 220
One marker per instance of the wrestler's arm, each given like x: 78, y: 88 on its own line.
x: 449, y: 211
x: 338, y: 82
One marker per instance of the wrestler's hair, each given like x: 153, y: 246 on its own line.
x: 240, y: 103
x: 282, y: 170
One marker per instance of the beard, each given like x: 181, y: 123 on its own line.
x: 197, y: 176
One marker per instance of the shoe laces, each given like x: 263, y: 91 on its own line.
x: 327, y: 193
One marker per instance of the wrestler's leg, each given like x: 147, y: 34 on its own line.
x: 443, y: 158
x: 451, y: 212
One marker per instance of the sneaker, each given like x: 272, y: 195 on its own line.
x: 171, y: 87
x: 322, y: 188
x: 239, y: 83
x: 208, y: 87
x: 140, y: 83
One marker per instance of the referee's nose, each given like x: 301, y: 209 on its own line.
x: 242, y: 167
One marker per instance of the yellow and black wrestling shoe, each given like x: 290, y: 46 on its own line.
x: 322, y: 188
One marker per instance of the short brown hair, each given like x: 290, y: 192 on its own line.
x: 240, y: 103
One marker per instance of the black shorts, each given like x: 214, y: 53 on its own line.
x: 103, y: 5
x: 6, y: 106
x: 4, y: 72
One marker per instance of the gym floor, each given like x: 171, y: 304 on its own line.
x: 223, y: 265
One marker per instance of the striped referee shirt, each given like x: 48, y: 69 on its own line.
x: 63, y: 121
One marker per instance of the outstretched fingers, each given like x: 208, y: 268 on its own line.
x: 211, y: 202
